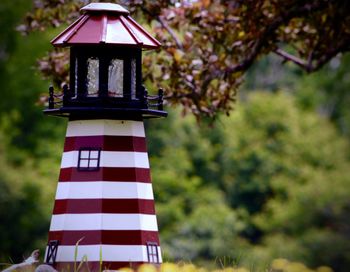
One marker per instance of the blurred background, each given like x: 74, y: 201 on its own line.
x: 269, y: 181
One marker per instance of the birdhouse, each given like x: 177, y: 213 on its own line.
x: 104, y: 206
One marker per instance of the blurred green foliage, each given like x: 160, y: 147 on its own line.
x: 29, y: 146
x: 270, y: 181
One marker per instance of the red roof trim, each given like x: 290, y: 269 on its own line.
x: 132, y: 34
x: 66, y: 30
x: 104, y: 28
x: 78, y: 26
x: 134, y: 23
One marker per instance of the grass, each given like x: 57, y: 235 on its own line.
x: 226, y: 264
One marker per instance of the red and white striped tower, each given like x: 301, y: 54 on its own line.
x: 104, y: 199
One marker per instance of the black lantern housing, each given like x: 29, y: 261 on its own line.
x: 105, y: 67
x: 106, y: 77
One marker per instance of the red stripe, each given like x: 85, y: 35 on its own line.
x: 105, y: 237
x: 106, y: 143
x: 106, y: 174
x: 67, y: 206
x: 95, y: 266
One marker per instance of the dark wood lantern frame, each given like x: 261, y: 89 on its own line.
x: 79, y: 70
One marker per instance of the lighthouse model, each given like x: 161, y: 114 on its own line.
x: 104, y: 205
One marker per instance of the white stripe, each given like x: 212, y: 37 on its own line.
x: 110, y: 253
x: 103, y: 221
x: 105, y: 127
x: 110, y: 159
x: 104, y: 190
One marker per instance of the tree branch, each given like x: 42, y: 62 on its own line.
x: 311, y: 65
x: 289, y: 57
x: 270, y: 30
x: 165, y: 25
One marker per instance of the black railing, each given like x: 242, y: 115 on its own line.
x: 66, y: 97
x: 55, y: 99
x: 156, y: 101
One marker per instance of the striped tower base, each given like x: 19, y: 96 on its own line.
x: 104, y: 198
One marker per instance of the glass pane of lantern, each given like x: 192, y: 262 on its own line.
x: 92, y: 77
x: 115, y: 78
x: 133, y: 78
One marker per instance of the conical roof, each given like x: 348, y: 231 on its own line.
x: 105, y: 23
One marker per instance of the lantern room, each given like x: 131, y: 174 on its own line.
x: 105, y: 66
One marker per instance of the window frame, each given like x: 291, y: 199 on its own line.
x: 89, y: 159
x: 153, y: 257
x: 52, y: 248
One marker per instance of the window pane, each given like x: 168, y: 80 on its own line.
x: 92, y: 77
x: 94, y: 154
x: 93, y: 163
x: 133, y: 78
x: 84, y: 163
x: 84, y: 154
x: 115, y: 78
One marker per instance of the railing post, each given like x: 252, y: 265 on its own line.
x: 51, y: 98
x: 160, y: 99
x: 144, y: 97
x: 66, y: 94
